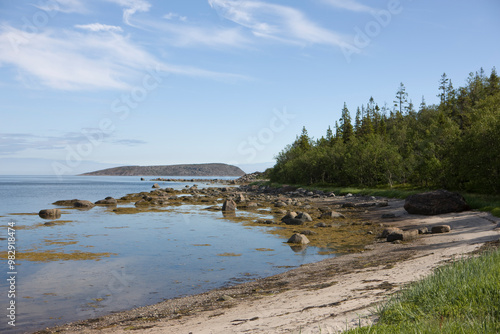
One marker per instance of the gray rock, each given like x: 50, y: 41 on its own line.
x: 156, y: 185
x: 388, y: 215
x: 435, y: 203
x: 298, y: 238
x: 229, y: 205
x: 441, y: 229
x: 308, y: 232
x: 142, y: 202
x: 389, y: 230
x: 107, y: 201
x: 293, y: 221
x: 213, y: 208
x: 305, y: 216
x: 332, y: 214
x: 66, y: 202
x: 83, y: 204
x: 240, y: 198
x: 321, y: 225
x: 403, y: 235
x: 50, y: 213
x: 289, y: 215
x: 280, y: 204
x: 423, y: 230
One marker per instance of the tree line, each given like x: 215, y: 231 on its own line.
x: 454, y: 144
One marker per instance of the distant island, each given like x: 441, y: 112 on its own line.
x: 212, y: 169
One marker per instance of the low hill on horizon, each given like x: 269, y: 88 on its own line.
x: 210, y: 169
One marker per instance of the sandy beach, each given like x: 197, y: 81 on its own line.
x: 325, y: 297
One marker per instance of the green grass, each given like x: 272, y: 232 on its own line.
x: 463, y: 297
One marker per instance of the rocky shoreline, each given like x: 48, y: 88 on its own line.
x: 352, y: 225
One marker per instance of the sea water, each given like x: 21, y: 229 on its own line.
x: 146, y: 257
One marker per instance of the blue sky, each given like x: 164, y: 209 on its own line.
x: 99, y: 83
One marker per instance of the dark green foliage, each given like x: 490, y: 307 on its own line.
x: 455, y: 144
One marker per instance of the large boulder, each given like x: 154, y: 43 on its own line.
x: 229, y: 205
x: 50, y: 214
x: 435, y: 203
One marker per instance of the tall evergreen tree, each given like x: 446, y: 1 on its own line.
x: 443, y: 86
x: 401, y: 99
x: 346, y: 128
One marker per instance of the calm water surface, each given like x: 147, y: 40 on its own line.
x: 154, y: 256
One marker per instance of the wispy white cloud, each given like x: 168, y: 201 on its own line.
x: 277, y: 22
x: 351, y: 5
x: 64, y: 6
x: 70, y: 60
x: 184, y: 34
x: 12, y: 143
x: 99, y: 27
x: 171, y: 16
x: 132, y: 7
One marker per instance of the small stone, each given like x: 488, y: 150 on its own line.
x: 332, y: 214
x: 388, y: 215
x: 307, y: 232
x: 156, y: 185
x: 423, y: 230
x: 225, y: 298
x: 389, y: 230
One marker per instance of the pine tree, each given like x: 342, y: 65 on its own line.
x: 443, y: 86
x: 423, y: 105
x: 304, y: 142
x: 329, y: 136
x: 346, y: 129
x: 401, y: 99
x: 357, y: 122
x: 493, y: 82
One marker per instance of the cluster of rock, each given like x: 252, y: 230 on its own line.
x: 249, y: 178
x: 75, y: 203
x: 393, y: 234
x: 162, y: 179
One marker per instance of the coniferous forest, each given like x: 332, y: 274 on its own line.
x: 453, y: 145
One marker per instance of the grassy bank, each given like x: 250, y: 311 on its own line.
x: 490, y: 203
x: 463, y: 297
